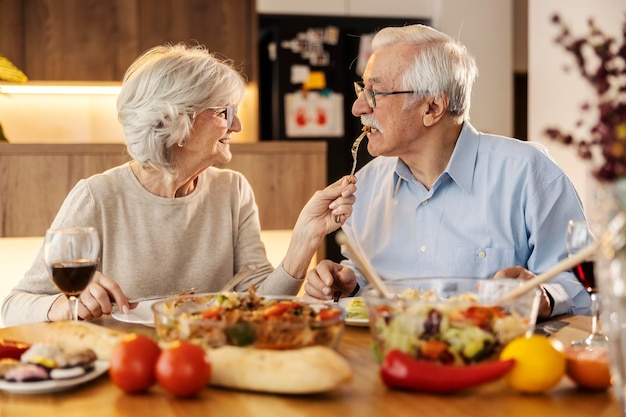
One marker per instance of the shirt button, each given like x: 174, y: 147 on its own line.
x: 423, y: 248
x: 481, y: 254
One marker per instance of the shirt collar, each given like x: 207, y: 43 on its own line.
x: 460, y: 167
x: 463, y: 160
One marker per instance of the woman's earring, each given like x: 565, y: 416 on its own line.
x: 181, y: 144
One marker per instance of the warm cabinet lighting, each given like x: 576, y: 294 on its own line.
x: 61, y: 88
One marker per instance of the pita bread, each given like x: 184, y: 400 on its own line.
x: 307, y: 370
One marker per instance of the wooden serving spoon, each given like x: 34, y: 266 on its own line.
x: 369, y: 273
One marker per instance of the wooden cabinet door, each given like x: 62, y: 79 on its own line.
x: 11, y: 28
x: 96, y: 40
x: 80, y: 40
x: 227, y: 27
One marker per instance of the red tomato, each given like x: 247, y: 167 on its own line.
x: 132, y: 363
x: 183, y: 369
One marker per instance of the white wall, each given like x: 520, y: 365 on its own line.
x: 484, y: 26
x: 555, y: 96
x: 387, y: 8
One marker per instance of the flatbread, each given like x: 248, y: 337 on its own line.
x: 71, y: 335
x: 309, y: 370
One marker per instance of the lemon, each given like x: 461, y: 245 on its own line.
x: 539, y: 364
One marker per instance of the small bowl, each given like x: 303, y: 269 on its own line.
x: 588, y: 366
x: 448, y: 320
x: 266, y: 322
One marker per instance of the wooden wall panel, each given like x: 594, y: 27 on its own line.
x: 34, y: 179
x: 80, y: 40
x: 12, y: 31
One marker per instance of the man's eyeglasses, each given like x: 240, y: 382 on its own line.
x: 370, y: 95
x: 227, y: 112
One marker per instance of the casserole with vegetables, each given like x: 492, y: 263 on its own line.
x: 228, y: 318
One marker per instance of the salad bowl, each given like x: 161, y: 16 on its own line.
x: 449, y: 320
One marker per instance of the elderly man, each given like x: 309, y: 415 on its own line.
x: 441, y: 198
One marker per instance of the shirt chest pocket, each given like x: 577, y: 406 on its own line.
x: 481, y: 262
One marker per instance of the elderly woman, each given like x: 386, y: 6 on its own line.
x: 169, y: 220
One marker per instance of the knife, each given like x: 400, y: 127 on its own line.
x: 243, y: 273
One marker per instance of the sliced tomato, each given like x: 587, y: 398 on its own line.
x: 12, y: 349
x: 213, y: 312
x: 479, y: 315
x: 280, y: 308
x: 433, y: 349
x: 328, y: 313
x: 384, y: 309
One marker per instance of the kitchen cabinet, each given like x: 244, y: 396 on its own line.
x: 227, y: 27
x: 95, y: 40
x: 11, y: 39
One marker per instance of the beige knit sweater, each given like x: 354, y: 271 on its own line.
x: 156, y: 245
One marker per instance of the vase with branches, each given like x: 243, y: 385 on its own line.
x: 599, y: 137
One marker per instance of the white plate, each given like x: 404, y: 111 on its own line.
x: 343, y: 302
x: 53, y: 385
x: 142, y: 314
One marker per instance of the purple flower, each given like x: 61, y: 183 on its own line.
x: 601, y: 60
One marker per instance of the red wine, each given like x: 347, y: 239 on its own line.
x: 584, y: 273
x: 72, y: 277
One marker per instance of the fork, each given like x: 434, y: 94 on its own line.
x: 354, y: 151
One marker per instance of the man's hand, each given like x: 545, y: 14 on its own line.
x: 328, y: 277
x: 545, y: 309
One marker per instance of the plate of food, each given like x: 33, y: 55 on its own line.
x: 48, y: 386
x: 356, y: 311
x: 142, y: 314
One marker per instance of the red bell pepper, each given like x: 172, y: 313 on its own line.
x: 399, y: 370
x: 12, y: 349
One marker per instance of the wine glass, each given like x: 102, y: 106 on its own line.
x: 71, y: 255
x: 578, y: 237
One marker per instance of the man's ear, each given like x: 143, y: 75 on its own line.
x: 436, y: 109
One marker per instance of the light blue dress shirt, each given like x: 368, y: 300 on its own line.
x: 500, y: 202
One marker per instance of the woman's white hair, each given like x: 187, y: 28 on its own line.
x: 441, y: 65
x: 161, y: 93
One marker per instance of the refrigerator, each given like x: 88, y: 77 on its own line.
x: 307, y: 69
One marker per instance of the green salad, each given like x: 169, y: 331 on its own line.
x: 356, y: 309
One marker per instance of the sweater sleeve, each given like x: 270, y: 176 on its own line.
x: 31, y: 299
x: 249, y: 250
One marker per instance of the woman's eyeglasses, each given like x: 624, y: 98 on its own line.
x: 370, y: 95
x: 228, y: 113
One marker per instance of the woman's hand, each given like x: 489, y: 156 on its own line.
x: 97, y: 299
x: 325, y: 206
x: 316, y: 220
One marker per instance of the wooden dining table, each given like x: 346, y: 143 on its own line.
x: 364, y: 396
